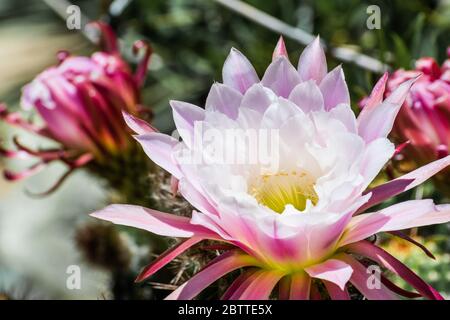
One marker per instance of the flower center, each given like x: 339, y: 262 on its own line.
x: 277, y: 190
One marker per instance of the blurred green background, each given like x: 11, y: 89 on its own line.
x: 191, y: 39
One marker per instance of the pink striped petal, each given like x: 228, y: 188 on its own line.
x: 238, y: 72
x: 375, y: 98
x: 161, y: 223
x: 307, y: 96
x: 404, y: 215
x: 332, y: 270
x: 166, y: 257
x: 315, y: 293
x: 262, y: 286
x: 312, y: 64
x: 404, y: 183
x: 219, y: 267
x: 377, y: 254
x: 334, y: 89
x: 284, y: 288
x: 280, y: 49
x: 396, y: 289
x: 300, y: 287
x: 335, y: 292
x: 237, y: 283
x: 224, y: 99
x: 281, y: 77
x: 362, y: 227
x: 380, y: 120
x: 138, y: 125
x: 360, y: 279
x: 159, y: 147
x: 237, y: 293
x: 399, y: 95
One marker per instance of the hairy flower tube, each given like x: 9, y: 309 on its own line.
x: 80, y: 102
x: 424, y: 119
x: 296, y: 222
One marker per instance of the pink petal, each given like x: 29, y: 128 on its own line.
x: 237, y: 283
x: 362, y: 227
x: 404, y: 183
x: 219, y: 267
x: 257, y: 98
x: 312, y: 64
x: 281, y: 77
x: 335, y: 292
x: 195, y: 198
x: 300, y: 287
x: 174, y: 185
x: 166, y: 257
x: 345, y: 114
x: 360, y: 279
x: 332, y: 270
x: 440, y: 214
x: 377, y: 254
x: 224, y: 99
x: 404, y: 215
x: 185, y: 115
x: 399, y: 95
x: 262, y: 286
x: 157, y: 222
x: 307, y: 96
x: 380, y: 120
x: 138, y: 125
x: 15, y: 176
x: 376, y: 155
x: 238, y: 72
x: 284, y: 288
x: 334, y: 89
x: 396, y: 289
x: 280, y: 49
x: 278, y: 113
x: 159, y: 147
x: 375, y: 98
x: 253, y: 274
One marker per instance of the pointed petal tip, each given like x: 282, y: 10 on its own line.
x: 141, y: 277
x: 280, y: 49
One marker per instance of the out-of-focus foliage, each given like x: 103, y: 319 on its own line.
x: 435, y: 272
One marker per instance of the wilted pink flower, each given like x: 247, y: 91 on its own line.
x: 424, y: 119
x: 301, y: 218
x: 81, y: 101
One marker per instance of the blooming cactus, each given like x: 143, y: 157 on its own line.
x: 424, y: 120
x: 300, y: 222
x: 80, y: 102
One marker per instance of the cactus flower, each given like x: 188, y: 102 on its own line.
x: 298, y: 221
x: 80, y: 102
x: 424, y: 119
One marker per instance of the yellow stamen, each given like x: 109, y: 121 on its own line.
x: 277, y: 190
